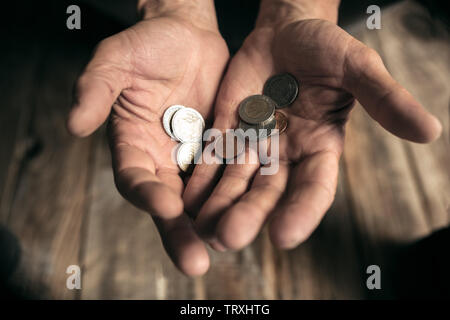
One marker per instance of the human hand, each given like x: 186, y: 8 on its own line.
x: 332, y: 69
x: 175, y: 55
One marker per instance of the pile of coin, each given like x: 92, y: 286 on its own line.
x: 185, y: 125
x: 258, y: 112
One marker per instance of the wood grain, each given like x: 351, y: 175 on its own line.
x: 47, y: 206
x: 59, y: 201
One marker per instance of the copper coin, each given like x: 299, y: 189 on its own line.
x: 282, y: 121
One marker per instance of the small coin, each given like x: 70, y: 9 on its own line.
x: 167, y: 118
x: 282, y: 88
x: 260, y: 132
x: 186, y: 154
x: 256, y: 109
x: 187, y: 125
x: 228, y: 146
x: 282, y: 122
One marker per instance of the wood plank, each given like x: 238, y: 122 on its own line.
x: 416, y: 50
x: 386, y: 176
x: 48, y: 207
x: 326, y: 266
x: 246, y: 274
x: 19, y: 75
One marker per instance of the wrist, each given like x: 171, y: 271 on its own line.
x: 278, y: 13
x: 201, y: 13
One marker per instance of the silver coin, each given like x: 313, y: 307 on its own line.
x: 282, y: 88
x: 261, y: 131
x: 187, y: 125
x: 187, y: 153
x: 167, y: 118
x: 256, y: 109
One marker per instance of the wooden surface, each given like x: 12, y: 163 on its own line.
x: 60, y: 206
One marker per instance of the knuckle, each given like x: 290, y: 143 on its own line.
x: 372, y: 57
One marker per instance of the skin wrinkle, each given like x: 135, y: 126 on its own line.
x: 119, y: 144
x: 359, y: 71
x: 238, y: 83
x: 133, y: 60
x: 133, y: 109
x: 238, y: 175
x: 183, y: 73
x: 270, y: 187
x: 119, y: 140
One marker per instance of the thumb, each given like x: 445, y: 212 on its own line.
x: 95, y: 91
x: 384, y: 99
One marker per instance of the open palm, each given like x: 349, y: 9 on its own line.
x: 332, y: 69
x: 140, y: 72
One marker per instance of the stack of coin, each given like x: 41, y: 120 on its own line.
x: 258, y: 112
x: 185, y: 125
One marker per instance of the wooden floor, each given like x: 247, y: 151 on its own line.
x: 59, y: 206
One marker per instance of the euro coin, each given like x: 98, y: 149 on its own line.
x: 281, y: 88
x: 256, y: 109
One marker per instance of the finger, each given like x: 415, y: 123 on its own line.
x: 310, y: 193
x: 183, y: 245
x: 384, y: 99
x: 200, y: 186
x: 205, y: 175
x: 95, y: 91
x: 135, y: 177
x: 179, y: 238
x: 231, y: 92
x: 134, y: 174
x: 232, y: 185
x: 241, y: 223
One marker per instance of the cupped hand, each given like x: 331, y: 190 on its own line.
x: 332, y: 69
x: 140, y: 72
